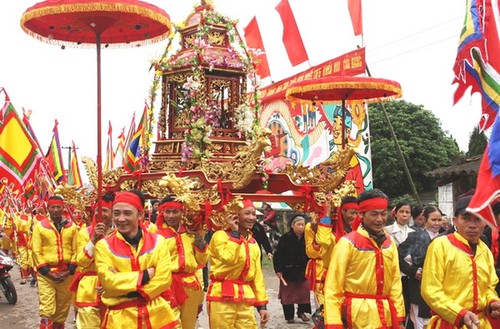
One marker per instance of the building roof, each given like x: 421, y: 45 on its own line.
x: 468, y: 167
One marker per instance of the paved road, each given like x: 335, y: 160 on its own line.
x: 24, y: 315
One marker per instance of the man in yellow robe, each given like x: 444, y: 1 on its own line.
x: 237, y: 282
x: 54, y: 255
x: 363, y: 283
x: 85, y: 283
x: 188, y: 250
x: 134, y: 268
x: 329, y: 233
x: 458, y: 278
x: 315, y: 269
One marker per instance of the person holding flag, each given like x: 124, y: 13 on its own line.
x: 188, y: 250
x: 134, y: 269
x: 85, y: 284
x: 54, y: 255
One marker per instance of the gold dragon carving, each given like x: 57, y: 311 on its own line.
x: 247, y: 159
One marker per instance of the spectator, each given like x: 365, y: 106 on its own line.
x: 290, y: 261
x: 417, y: 216
x: 411, y: 261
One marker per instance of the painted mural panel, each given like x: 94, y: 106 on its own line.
x: 308, y: 134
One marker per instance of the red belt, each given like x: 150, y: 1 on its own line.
x: 73, y: 286
x: 228, y: 288
x: 177, y: 287
x: 379, y: 298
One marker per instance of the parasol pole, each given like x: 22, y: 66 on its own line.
x: 99, y: 150
x: 343, y: 121
x: 398, y: 148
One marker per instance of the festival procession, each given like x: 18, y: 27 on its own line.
x: 240, y: 197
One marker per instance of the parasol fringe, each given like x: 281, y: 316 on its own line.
x: 96, y: 7
x: 343, y: 85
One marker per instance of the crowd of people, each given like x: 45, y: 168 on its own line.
x: 118, y: 269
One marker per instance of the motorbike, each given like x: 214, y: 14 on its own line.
x: 8, y: 288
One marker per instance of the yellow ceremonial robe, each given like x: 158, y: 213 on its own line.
x: 186, y: 260
x: 236, y: 279
x: 363, y: 284
x: 315, y: 270
x: 454, y: 280
x: 120, y: 268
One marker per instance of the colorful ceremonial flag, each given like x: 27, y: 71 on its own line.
x: 120, y: 147
x: 19, y: 153
x: 74, y: 177
x: 54, y: 157
x: 478, y: 65
x: 253, y: 40
x: 131, y: 160
x: 110, y: 155
x: 356, y: 12
x: 291, y: 35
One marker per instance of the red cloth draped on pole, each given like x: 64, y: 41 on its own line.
x: 54, y: 157
x: 478, y: 65
x: 291, y: 35
x: 356, y: 13
x: 20, y: 155
x: 254, y: 40
x: 74, y: 176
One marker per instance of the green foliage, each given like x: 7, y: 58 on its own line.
x: 424, y: 144
x: 477, y: 142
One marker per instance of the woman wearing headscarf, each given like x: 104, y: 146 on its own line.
x: 290, y: 262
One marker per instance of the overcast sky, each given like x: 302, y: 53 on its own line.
x: 411, y: 42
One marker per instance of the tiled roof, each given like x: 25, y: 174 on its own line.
x: 468, y: 167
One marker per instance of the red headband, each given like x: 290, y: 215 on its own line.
x: 247, y: 203
x: 55, y: 202
x: 107, y: 204
x: 375, y: 203
x: 171, y: 205
x: 130, y: 198
x: 350, y: 205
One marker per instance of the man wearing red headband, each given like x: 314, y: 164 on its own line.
x: 363, y: 283
x: 237, y: 282
x: 188, y: 250
x: 134, y: 269
x: 85, y: 283
x: 54, y: 255
x: 458, y: 278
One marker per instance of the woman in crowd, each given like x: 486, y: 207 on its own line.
x: 417, y: 216
x: 411, y: 261
x: 399, y: 231
x: 290, y: 262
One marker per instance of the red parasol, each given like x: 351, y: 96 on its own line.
x: 88, y: 22
x: 342, y: 88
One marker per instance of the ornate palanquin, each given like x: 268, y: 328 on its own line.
x: 204, y: 154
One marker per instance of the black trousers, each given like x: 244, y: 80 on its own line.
x: 288, y: 310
